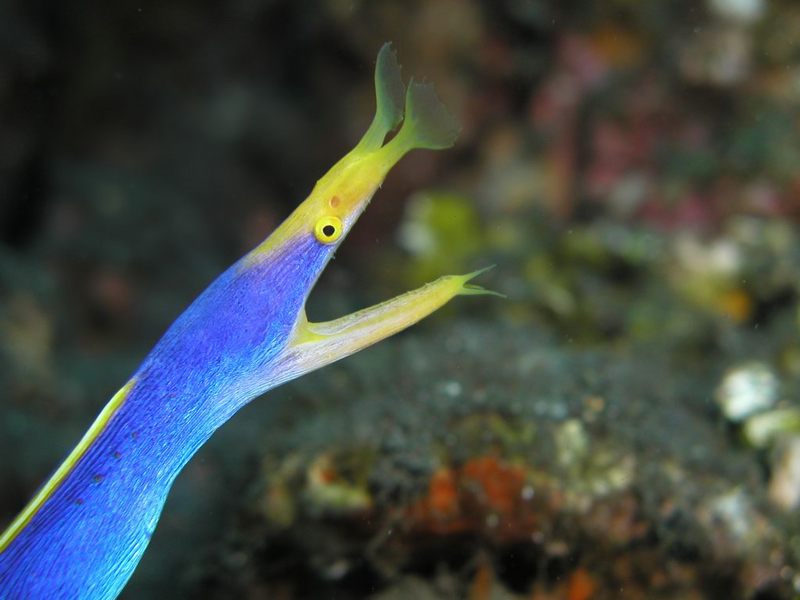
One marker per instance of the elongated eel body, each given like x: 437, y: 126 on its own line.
x: 86, y: 529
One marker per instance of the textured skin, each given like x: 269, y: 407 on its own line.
x: 216, y: 357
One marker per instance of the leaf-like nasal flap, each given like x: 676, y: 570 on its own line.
x: 428, y: 123
x: 389, y: 88
x: 389, y: 96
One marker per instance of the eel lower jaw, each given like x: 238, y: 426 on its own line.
x: 315, y: 345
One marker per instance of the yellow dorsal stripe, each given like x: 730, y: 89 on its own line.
x: 61, y: 473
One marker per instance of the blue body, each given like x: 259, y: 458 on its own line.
x: 89, y: 535
x: 85, y: 532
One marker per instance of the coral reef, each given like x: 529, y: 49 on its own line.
x: 552, y: 471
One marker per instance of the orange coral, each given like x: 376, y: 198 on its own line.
x: 460, y: 499
x: 443, y: 493
x: 581, y: 586
x: 500, y: 484
x: 481, y: 588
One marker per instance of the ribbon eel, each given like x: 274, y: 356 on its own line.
x: 84, y: 532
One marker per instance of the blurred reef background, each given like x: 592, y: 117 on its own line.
x: 625, y: 425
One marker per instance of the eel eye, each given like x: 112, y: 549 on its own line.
x: 328, y: 230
